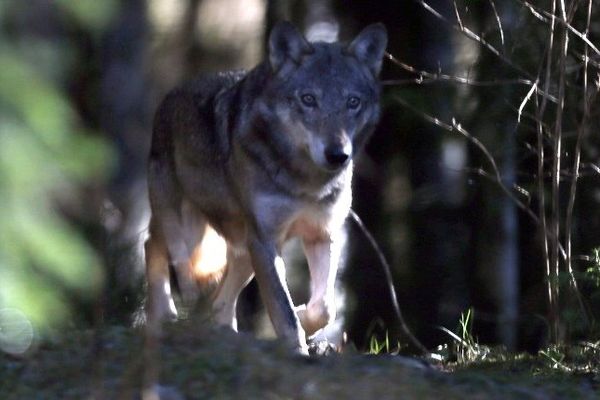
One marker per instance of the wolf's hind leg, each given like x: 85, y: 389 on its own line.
x: 238, y: 274
x: 160, y: 305
x: 169, y: 212
x: 185, y: 232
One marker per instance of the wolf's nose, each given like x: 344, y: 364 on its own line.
x: 336, y: 156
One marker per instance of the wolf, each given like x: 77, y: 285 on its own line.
x: 240, y: 162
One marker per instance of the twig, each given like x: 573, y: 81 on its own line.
x: 458, y: 19
x: 541, y: 161
x: 473, y: 36
x: 498, y: 21
x: 430, y: 77
x: 388, y: 275
x: 551, y: 18
x: 495, y: 168
x: 556, y: 165
x: 456, y: 127
x: 592, y: 166
x: 493, y: 178
x: 585, y: 58
x: 441, y: 78
x: 526, y: 99
x: 576, y: 166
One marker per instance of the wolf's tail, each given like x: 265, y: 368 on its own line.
x: 209, y: 258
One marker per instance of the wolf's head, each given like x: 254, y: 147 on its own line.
x: 323, y: 98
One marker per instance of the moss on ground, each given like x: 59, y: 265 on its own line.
x: 202, y: 363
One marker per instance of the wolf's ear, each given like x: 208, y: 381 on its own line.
x: 369, y: 46
x: 285, y: 42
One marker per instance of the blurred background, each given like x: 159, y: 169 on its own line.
x: 451, y: 184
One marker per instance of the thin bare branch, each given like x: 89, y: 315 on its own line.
x: 426, y: 77
x: 498, y: 21
x: 473, y: 36
x: 402, y: 82
x: 591, y: 166
x: 493, y: 178
x: 458, y: 19
x: 550, y: 283
x: 556, y: 166
x: 576, y: 165
x: 495, y: 168
x: 584, y: 58
x: 548, y: 18
x: 388, y: 274
x: 525, y: 100
x: 456, y: 79
x: 563, y: 10
x: 456, y: 127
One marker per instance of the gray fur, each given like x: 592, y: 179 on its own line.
x: 263, y: 156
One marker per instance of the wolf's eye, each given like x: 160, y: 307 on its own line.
x: 308, y: 100
x: 353, y: 102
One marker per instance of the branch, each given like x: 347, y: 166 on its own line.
x: 540, y: 110
x: 498, y: 21
x: 425, y: 77
x: 550, y: 18
x: 525, y: 100
x: 471, y: 35
x: 591, y: 166
x: 576, y: 165
x: 388, y: 275
x: 555, y: 189
x: 456, y: 127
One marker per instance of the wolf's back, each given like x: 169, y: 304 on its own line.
x: 190, y: 107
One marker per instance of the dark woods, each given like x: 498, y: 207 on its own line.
x: 481, y: 183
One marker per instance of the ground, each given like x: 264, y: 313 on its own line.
x: 211, y: 363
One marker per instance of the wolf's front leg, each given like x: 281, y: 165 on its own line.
x: 270, y: 275
x: 323, y: 259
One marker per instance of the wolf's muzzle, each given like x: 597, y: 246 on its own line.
x: 337, y: 156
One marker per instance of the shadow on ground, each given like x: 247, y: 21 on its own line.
x: 203, y: 363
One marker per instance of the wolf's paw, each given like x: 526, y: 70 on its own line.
x: 321, y: 348
x: 155, y: 317
x: 188, y: 290
x: 170, y: 315
x: 315, y: 316
x: 160, y: 307
x: 161, y: 392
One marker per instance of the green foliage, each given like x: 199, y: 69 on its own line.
x: 93, y: 14
x: 46, y: 155
x: 377, y: 347
x: 464, y: 347
x: 377, y: 343
x: 593, y: 272
x: 555, y: 357
x: 580, y: 310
